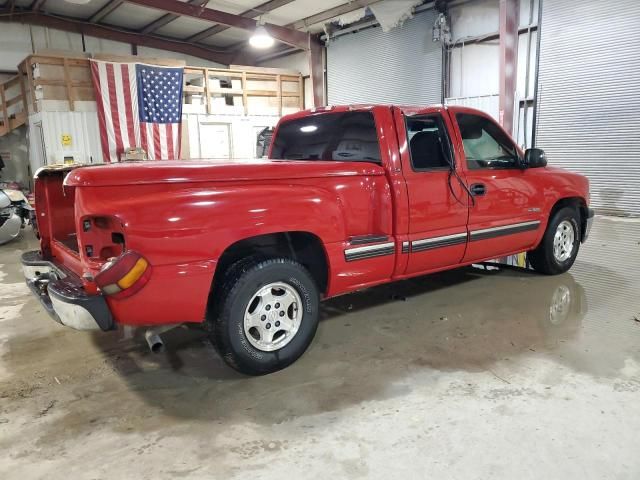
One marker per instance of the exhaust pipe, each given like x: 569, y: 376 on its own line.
x: 156, y: 345
x: 152, y: 336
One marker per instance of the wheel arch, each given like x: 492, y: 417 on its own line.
x: 579, y: 204
x: 304, y: 247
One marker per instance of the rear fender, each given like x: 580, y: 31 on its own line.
x: 181, y: 224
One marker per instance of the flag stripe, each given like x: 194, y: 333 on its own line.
x: 104, y: 94
x: 170, y: 140
x: 144, y: 142
x: 113, y: 101
x: 121, y: 112
x: 128, y: 112
x: 156, y: 141
x: 104, y: 141
x: 133, y: 93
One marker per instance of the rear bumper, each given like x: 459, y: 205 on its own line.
x: 63, y: 297
x: 591, y: 213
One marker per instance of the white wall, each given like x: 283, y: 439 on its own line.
x: 475, y: 68
x: 242, y: 134
x: 298, y: 61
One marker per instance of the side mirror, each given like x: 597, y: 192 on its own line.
x: 534, y: 158
x: 5, y: 201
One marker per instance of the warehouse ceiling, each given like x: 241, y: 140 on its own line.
x: 214, y: 29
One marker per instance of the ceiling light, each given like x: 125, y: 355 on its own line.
x: 260, y: 37
x: 78, y: 2
x: 308, y: 128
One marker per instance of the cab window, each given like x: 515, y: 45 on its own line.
x: 429, y: 145
x: 485, y: 144
x: 343, y: 136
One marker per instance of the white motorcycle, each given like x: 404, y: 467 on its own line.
x: 15, y: 214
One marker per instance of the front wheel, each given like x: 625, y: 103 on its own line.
x: 267, y: 315
x: 560, y: 244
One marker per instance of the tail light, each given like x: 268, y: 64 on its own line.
x: 123, y: 276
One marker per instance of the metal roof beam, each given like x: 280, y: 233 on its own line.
x: 282, y: 34
x: 119, y: 35
x: 251, y: 13
x: 168, y: 18
x: 331, y: 13
x: 37, y: 5
x: 106, y: 10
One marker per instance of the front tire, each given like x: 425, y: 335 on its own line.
x: 267, y: 314
x: 560, y: 244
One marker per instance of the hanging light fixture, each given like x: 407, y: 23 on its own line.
x: 261, y: 38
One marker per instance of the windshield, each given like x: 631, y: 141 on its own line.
x: 346, y: 136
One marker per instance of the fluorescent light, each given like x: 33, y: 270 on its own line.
x: 261, y: 38
x: 79, y: 2
x: 308, y: 128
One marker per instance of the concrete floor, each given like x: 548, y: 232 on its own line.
x: 466, y: 374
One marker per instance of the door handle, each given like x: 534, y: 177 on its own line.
x: 478, y: 189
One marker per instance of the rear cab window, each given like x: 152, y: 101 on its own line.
x: 341, y: 136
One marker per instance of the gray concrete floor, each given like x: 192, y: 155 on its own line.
x: 466, y: 374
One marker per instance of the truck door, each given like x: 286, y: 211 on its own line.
x: 505, y: 211
x: 438, y: 204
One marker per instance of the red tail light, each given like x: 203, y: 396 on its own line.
x: 125, y: 275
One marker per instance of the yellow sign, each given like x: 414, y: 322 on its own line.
x: 66, y: 140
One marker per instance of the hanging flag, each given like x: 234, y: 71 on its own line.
x: 139, y: 105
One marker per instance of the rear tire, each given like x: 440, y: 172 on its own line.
x: 560, y: 244
x: 266, y: 314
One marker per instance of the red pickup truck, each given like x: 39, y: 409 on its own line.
x: 350, y: 197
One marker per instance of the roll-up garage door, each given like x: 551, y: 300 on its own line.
x: 588, y: 117
x: 402, y: 66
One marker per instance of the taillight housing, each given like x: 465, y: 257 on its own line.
x: 124, y: 275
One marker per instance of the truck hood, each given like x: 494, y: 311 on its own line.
x: 150, y: 172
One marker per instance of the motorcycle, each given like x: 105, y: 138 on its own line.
x: 15, y: 214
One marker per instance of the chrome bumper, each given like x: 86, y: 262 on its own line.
x: 63, y: 297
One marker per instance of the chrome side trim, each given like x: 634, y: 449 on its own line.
x: 363, y: 239
x: 369, y: 251
x: 492, y: 232
x: 405, y: 247
x: 437, y: 242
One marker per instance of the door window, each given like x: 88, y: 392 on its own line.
x: 485, y: 144
x: 429, y: 145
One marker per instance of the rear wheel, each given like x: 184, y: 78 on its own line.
x: 267, y: 314
x: 560, y: 244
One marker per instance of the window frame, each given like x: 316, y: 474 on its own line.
x: 449, y: 146
x: 518, y: 161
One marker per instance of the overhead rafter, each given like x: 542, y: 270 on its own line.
x: 251, y: 13
x: 282, y: 34
x: 168, y: 18
x: 37, y: 5
x: 331, y: 13
x: 105, y: 10
x: 308, y: 21
x: 118, y: 35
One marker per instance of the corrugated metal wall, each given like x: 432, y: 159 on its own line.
x: 588, y: 116
x: 401, y: 66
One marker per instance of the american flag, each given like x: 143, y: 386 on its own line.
x: 139, y: 105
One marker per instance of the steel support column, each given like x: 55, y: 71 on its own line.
x: 316, y: 70
x: 509, y: 19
